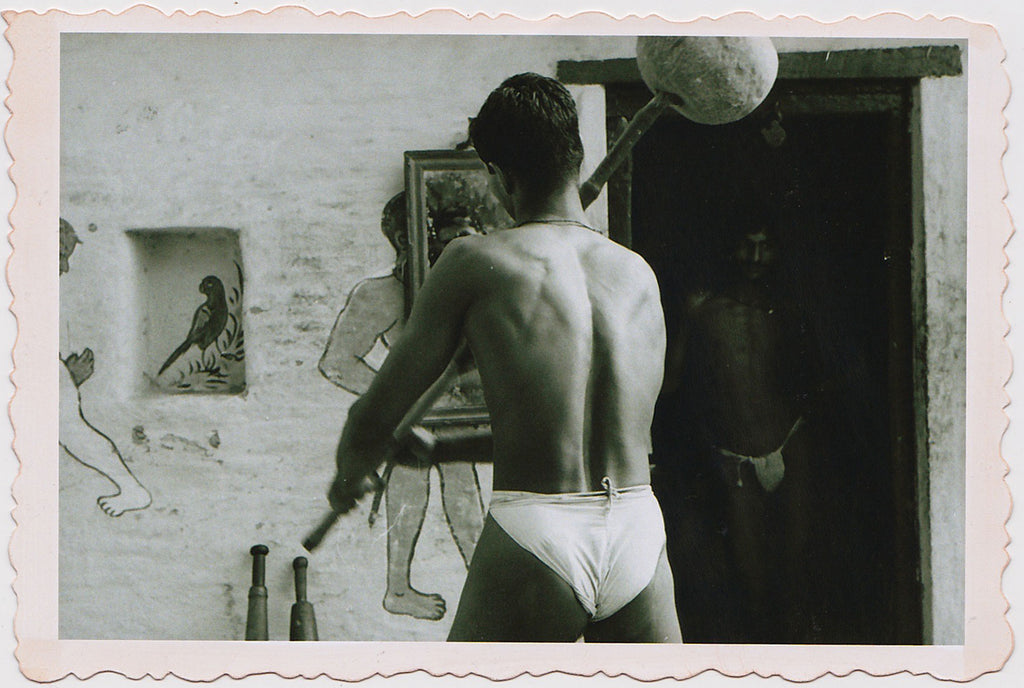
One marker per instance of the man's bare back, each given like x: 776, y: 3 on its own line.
x: 571, y: 341
x: 568, y: 332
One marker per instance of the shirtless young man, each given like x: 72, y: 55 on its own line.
x: 568, y: 333
x: 740, y: 363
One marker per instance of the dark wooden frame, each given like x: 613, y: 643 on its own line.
x: 417, y: 164
x: 883, y: 63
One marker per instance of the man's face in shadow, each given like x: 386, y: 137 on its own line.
x: 754, y: 255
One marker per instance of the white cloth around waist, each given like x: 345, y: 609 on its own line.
x: 605, y: 544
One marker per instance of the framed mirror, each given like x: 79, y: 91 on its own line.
x: 448, y: 196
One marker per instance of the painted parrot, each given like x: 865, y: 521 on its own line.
x: 207, y: 323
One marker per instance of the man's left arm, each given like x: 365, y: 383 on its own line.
x: 419, y: 356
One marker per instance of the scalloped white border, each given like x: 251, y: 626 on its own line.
x: 32, y: 142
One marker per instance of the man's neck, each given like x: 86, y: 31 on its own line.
x: 563, y: 204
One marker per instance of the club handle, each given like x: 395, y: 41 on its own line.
x: 300, y: 564
x: 314, y: 539
x: 259, y: 564
x: 427, y: 400
x: 623, y: 146
x: 400, y: 435
x: 256, y: 620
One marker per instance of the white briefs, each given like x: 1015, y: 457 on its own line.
x: 605, y: 545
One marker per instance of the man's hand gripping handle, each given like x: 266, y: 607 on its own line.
x: 408, y: 434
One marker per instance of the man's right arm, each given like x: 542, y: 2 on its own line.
x: 428, y: 342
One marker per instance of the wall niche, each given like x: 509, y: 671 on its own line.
x: 189, y: 286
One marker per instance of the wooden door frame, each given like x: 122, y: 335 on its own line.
x: 850, y: 81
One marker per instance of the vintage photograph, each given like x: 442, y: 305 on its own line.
x: 645, y: 338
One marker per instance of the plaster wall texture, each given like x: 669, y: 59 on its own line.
x: 296, y: 142
x: 944, y: 152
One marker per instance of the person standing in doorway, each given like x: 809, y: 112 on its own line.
x: 568, y: 332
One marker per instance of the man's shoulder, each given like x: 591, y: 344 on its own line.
x: 697, y: 302
x: 624, y: 261
x: 493, y: 251
x: 467, y: 252
x: 466, y: 245
x: 466, y: 259
x: 722, y: 310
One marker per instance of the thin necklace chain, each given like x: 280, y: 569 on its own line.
x: 554, y: 221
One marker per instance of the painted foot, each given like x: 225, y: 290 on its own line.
x: 132, y: 498
x: 415, y: 604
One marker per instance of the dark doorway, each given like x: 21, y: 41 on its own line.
x: 824, y: 166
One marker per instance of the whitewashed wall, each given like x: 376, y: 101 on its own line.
x: 944, y: 157
x: 297, y: 143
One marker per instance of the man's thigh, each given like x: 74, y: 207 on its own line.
x: 511, y: 596
x: 649, y: 618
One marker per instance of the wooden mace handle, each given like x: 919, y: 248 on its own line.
x: 637, y: 127
x: 399, y: 437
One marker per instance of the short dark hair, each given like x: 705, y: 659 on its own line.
x: 528, y: 126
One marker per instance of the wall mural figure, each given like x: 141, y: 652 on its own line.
x: 359, y: 342
x: 216, y: 323
x: 79, y: 438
